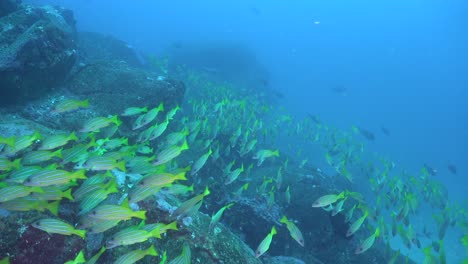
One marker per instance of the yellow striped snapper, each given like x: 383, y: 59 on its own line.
x: 293, y: 230
x: 135, y: 255
x: 247, y: 148
x: 185, y: 257
x: 265, y: 244
x: 76, y: 154
x: 53, y: 193
x: 159, y: 130
x: 357, y: 224
x: 39, y: 156
x: 216, y: 217
x: 53, y: 177
x: 97, y: 123
x: 141, y: 192
x: 93, y: 199
x: 131, y: 235
x: 188, y: 206
x: 239, y: 191
x: 163, y: 228
x: 179, y: 189
x: 22, y: 143
x: 9, y: 193
x: 170, y: 115
x: 263, y: 154
x: 170, y: 153
x: 55, y: 226
x: 115, y: 143
x: 7, y: 165
x: 96, y: 257
x: 28, y: 203
x: 100, y: 181
x: 176, y: 137
x: 147, y: 118
x: 56, y: 141
x: 367, y: 243
x: 131, y: 111
x: 200, y: 162
x: 162, y: 179
x: 232, y: 176
x: 100, y: 163
x: 70, y: 105
x: 116, y: 212
x: 328, y: 199
x: 97, y: 226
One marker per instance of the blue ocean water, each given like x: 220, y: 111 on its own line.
x: 401, y: 65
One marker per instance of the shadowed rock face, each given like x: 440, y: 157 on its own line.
x: 37, y: 50
x: 8, y: 6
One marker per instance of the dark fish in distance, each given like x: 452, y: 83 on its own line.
x: 367, y: 134
x: 340, y: 89
x: 431, y: 170
x: 278, y: 94
x: 385, y: 131
x: 314, y: 118
x: 256, y: 11
x: 452, y: 168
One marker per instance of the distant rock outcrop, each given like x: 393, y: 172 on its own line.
x: 37, y: 50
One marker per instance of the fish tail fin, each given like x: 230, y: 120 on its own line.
x: 67, y: 194
x: 284, y: 219
x: 73, y: 136
x: 172, y: 226
x: 17, y: 163
x: 273, y: 231
x: 85, y: 103
x: 156, y: 232
x: 181, y: 176
x: 151, y: 251
x: 276, y: 153
x: 206, y: 192
x: 9, y: 141
x: 80, y: 174
x: 121, y: 166
x: 53, y: 207
x: 140, y: 214
x: 36, y: 135
x: 185, y: 146
x: 80, y: 233
x: 115, y: 119
x: 57, y: 153
x: 161, y: 107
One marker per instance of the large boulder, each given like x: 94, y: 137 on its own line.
x: 37, y: 51
x: 110, y: 86
x: 95, y: 47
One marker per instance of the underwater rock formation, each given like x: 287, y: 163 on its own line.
x: 8, y: 6
x: 110, y: 86
x: 37, y: 50
x: 95, y: 47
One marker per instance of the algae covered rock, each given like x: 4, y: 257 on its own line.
x: 95, y: 47
x: 110, y: 87
x: 37, y: 50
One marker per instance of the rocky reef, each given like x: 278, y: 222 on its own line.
x: 37, y: 50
